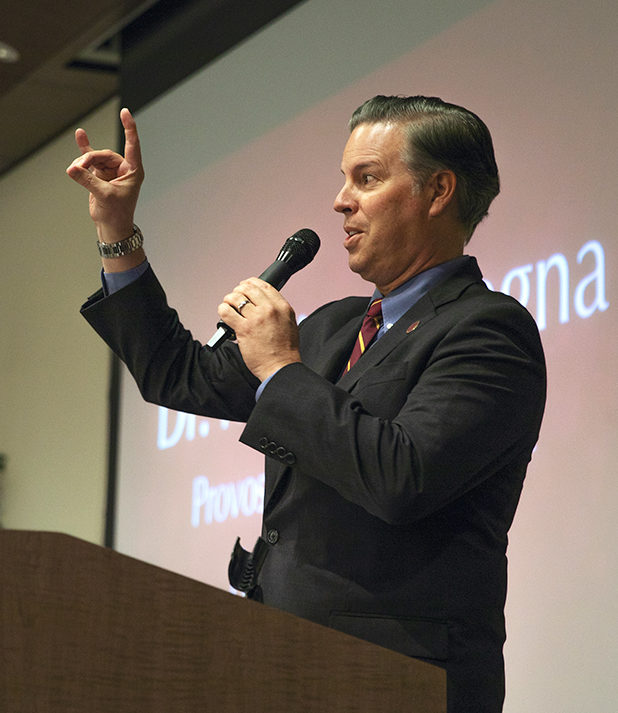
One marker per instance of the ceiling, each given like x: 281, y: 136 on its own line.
x: 43, y: 93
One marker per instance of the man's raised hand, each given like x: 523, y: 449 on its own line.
x: 112, y: 180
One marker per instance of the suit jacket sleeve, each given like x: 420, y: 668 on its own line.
x: 169, y: 366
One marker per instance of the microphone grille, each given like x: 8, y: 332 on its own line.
x: 309, y: 238
x: 299, y: 249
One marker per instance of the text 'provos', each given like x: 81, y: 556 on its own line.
x: 218, y: 503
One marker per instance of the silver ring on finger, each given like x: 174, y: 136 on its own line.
x: 244, y: 303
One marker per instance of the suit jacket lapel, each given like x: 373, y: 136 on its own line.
x: 338, y: 342
x: 421, y: 312
x: 413, y: 321
x: 337, y: 349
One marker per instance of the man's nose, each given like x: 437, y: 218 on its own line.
x: 343, y: 201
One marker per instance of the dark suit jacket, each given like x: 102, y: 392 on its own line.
x: 389, y: 491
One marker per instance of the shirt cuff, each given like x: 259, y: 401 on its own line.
x: 114, y: 281
x: 262, y: 386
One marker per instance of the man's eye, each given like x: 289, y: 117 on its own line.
x: 368, y: 178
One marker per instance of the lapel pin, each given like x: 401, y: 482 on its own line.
x: 413, y: 326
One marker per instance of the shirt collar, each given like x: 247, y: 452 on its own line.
x: 399, y: 301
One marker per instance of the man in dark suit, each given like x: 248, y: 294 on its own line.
x: 394, y: 461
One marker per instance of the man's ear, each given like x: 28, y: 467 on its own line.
x: 443, y: 185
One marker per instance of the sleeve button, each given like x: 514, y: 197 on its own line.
x: 272, y: 536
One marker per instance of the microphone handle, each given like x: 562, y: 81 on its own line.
x: 276, y: 275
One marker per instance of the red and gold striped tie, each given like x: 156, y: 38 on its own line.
x: 369, y: 329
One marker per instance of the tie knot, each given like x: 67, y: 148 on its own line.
x: 375, y: 308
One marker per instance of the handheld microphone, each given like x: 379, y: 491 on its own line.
x: 297, y: 252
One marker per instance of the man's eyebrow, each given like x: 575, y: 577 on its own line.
x: 362, y: 166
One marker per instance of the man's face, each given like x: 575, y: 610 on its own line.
x: 385, y: 214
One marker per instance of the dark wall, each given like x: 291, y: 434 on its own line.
x: 177, y: 37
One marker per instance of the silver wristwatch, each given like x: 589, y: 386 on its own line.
x: 122, y: 247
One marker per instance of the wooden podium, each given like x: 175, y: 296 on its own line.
x: 87, y: 630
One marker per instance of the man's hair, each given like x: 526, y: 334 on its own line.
x: 442, y: 136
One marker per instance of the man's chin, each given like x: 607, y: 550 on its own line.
x: 360, y: 268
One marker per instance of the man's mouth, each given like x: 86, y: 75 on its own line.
x: 351, y: 235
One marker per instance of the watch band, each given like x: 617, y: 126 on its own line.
x: 122, y: 247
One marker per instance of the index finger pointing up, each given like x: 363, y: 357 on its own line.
x: 132, y: 151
